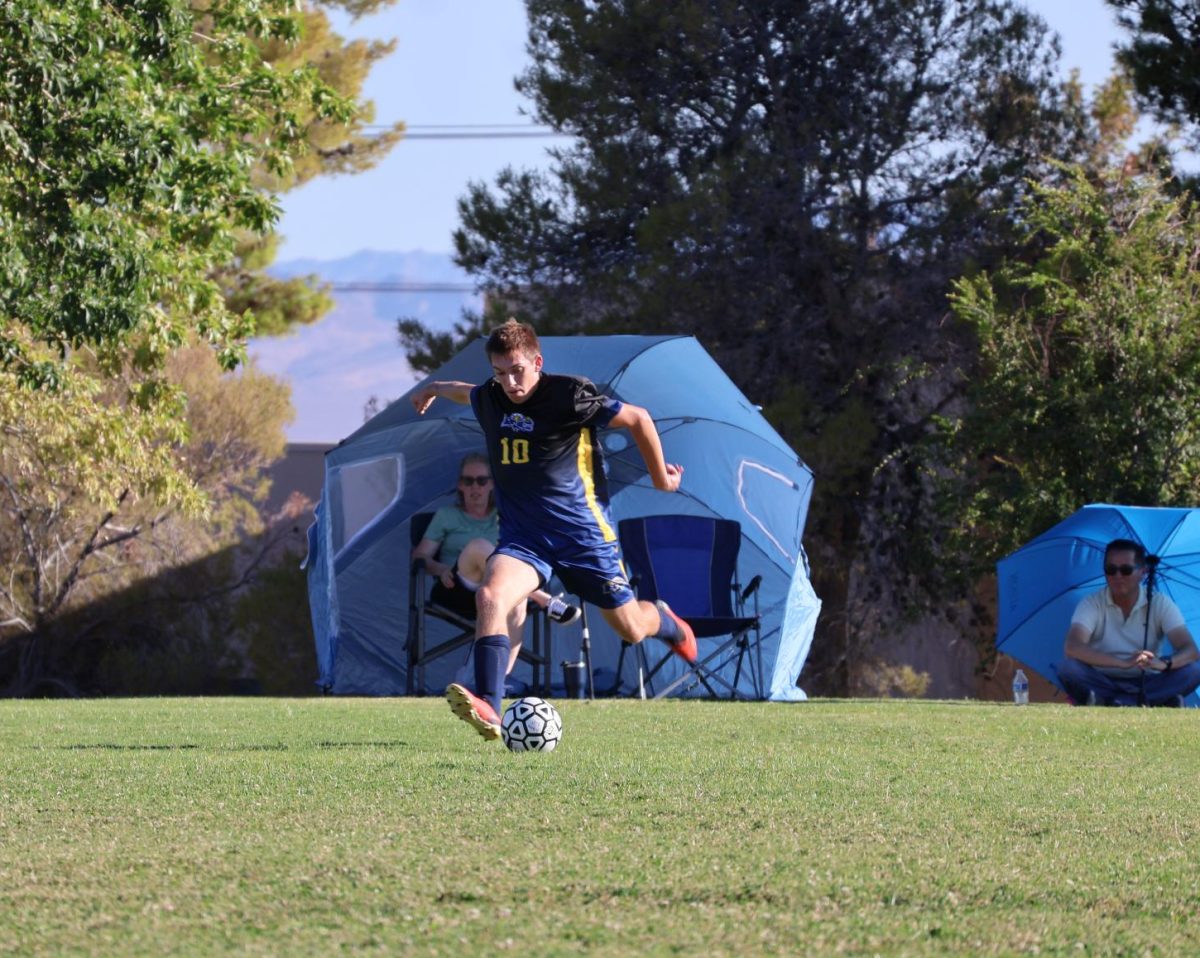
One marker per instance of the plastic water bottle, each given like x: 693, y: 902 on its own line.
x: 1020, y: 688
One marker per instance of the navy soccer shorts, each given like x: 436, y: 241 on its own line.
x: 594, y: 573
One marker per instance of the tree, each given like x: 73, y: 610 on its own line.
x: 738, y: 166
x: 1089, y: 386
x: 97, y: 494
x: 332, y: 147
x: 141, y: 146
x: 796, y: 185
x: 129, y: 137
x: 1163, y: 57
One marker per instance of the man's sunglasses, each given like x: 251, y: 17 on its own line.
x: 474, y: 480
x: 1123, y: 569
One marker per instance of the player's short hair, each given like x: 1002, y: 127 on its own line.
x: 513, y: 337
x: 1127, y: 545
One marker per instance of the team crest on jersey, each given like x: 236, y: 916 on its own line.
x: 517, y: 422
x: 613, y: 586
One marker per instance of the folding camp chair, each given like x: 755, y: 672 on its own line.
x: 691, y: 563
x: 422, y: 608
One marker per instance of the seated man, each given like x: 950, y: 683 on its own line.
x: 1110, y: 657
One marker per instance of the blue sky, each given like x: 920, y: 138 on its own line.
x: 455, y: 63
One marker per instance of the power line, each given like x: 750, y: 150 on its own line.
x: 483, y: 136
x: 475, y: 126
x: 472, y: 131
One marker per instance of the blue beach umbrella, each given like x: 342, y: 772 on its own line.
x: 1042, y: 582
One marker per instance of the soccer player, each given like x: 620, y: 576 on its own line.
x: 548, y: 472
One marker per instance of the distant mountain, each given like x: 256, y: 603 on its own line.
x: 378, y: 266
x: 352, y: 354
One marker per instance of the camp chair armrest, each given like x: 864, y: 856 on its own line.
x: 751, y: 588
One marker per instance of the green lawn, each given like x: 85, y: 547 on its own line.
x: 316, y: 826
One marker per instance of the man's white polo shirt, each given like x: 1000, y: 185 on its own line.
x: 1110, y: 631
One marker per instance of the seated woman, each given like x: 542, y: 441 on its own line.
x: 459, y: 540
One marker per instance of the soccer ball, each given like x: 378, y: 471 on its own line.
x: 531, y: 725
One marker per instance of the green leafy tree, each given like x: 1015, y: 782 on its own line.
x: 129, y: 139
x: 97, y: 494
x: 141, y: 148
x: 1089, y: 385
x: 796, y: 185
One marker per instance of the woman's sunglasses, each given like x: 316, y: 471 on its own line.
x: 1123, y: 569
x: 475, y: 480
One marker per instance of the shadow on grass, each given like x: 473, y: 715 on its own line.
x: 965, y: 703
x: 115, y: 747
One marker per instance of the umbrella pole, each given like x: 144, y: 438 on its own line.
x: 1152, y: 565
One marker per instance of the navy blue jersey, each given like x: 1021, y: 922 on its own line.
x: 547, y: 467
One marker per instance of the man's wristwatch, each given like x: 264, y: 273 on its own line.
x: 1170, y: 664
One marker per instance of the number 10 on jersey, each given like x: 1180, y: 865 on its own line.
x: 513, y: 451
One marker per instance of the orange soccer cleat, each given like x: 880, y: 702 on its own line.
x: 685, y: 645
x: 473, y: 710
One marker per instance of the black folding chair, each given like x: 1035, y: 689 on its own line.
x: 422, y: 607
x: 690, y: 562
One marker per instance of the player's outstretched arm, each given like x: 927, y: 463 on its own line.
x: 666, y: 476
x: 423, y: 398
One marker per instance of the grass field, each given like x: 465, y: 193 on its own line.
x: 318, y: 826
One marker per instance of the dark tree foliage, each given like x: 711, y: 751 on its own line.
x: 749, y: 171
x: 794, y: 184
x: 1163, y: 56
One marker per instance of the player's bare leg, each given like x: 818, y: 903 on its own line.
x: 472, y: 568
x: 638, y: 619
x: 516, y: 634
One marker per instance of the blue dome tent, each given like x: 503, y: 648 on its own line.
x: 398, y: 464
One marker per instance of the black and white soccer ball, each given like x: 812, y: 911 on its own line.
x: 531, y: 724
